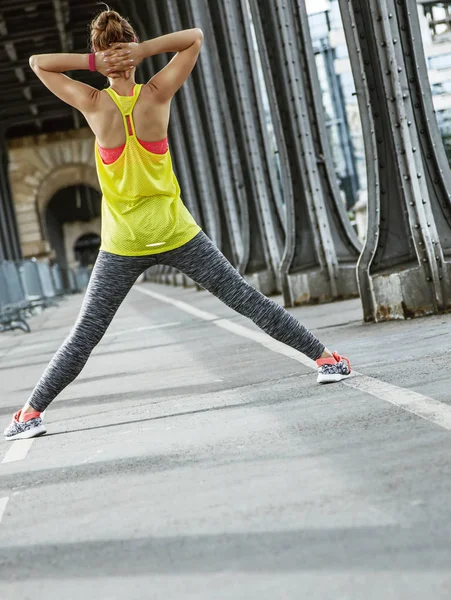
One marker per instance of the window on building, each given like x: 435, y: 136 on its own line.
x: 335, y: 15
x: 443, y: 87
x: 439, y: 17
x: 341, y: 51
x: 444, y: 123
x: 442, y: 61
x: 319, y: 26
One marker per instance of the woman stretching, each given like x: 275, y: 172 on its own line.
x: 144, y: 221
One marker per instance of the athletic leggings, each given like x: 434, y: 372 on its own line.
x: 111, y: 280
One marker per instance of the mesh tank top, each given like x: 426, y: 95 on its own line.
x: 142, y: 212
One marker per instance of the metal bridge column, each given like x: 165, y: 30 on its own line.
x: 238, y: 58
x: 321, y: 247
x: 10, y: 248
x: 219, y: 136
x: 403, y: 271
x: 191, y: 116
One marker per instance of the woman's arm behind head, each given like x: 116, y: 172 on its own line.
x: 50, y: 69
x: 168, y: 81
x: 106, y: 28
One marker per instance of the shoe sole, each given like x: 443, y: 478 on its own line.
x: 26, y: 435
x: 332, y: 378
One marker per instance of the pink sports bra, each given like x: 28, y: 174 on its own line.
x: 111, y: 155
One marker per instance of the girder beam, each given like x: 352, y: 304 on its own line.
x: 404, y: 269
x: 10, y: 248
x: 219, y: 138
x: 239, y: 70
x: 191, y: 120
x: 321, y: 249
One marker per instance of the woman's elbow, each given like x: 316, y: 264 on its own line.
x: 33, y: 61
x: 199, y: 34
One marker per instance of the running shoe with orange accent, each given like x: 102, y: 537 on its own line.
x: 333, y: 369
x: 31, y: 427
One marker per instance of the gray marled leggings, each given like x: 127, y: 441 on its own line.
x: 111, y: 280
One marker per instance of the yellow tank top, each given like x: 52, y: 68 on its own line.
x: 142, y: 212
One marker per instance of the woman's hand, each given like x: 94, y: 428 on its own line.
x: 122, y: 57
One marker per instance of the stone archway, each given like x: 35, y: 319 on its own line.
x: 71, y: 212
x: 39, y: 167
x: 86, y: 248
x: 61, y: 177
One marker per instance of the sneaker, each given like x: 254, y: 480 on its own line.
x: 333, y: 369
x: 31, y: 427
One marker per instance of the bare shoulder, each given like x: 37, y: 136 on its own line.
x: 152, y: 93
x: 98, y: 101
x: 149, y: 91
x: 151, y: 115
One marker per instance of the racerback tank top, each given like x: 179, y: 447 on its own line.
x: 142, y: 212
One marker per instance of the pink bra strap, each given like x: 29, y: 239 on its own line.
x: 160, y: 147
x: 111, y: 155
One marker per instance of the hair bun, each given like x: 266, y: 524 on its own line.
x: 109, y: 27
x: 108, y: 18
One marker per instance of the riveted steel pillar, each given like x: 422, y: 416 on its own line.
x: 321, y: 248
x: 191, y: 116
x: 219, y: 136
x: 238, y: 60
x: 403, y: 270
x: 10, y: 248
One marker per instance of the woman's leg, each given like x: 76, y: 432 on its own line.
x: 201, y: 260
x: 110, y: 282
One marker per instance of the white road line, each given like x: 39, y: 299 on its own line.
x: 206, y: 316
x: 138, y: 329
x: 427, y: 408
x: 18, y: 451
x: 3, y: 503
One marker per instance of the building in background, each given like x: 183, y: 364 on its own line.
x: 342, y: 121
x: 435, y: 21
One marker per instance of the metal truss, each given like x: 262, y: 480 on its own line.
x: 10, y: 248
x: 239, y: 71
x: 403, y: 271
x: 321, y: 248
x: 219, y: 137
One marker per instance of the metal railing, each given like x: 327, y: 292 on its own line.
x: 30, y: 285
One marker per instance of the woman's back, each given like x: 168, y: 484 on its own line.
x: 142, y: 212
x: 151, y: 118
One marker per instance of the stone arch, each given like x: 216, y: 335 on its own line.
x: 86, y: 247
x: 73, y: 231
x: 59, y: 178
x: 39, y: 167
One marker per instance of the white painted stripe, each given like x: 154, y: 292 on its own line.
x: 18, y: 451
x: 138, y: 329
x: 3, y: 503
x: 423, y: 406
x: 206, y: 316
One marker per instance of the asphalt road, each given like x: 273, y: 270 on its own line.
x: 190, y: 462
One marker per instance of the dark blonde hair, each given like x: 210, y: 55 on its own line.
x: 109, y: 27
